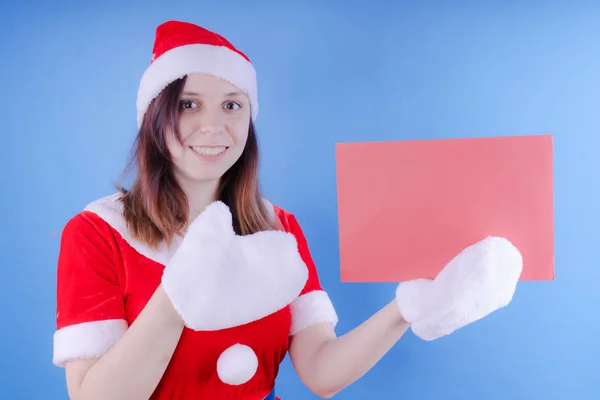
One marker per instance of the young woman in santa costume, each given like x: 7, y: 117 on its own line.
x: 191, y: 285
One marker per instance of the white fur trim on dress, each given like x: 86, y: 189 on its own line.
x: 270, y: 209
x: 310, y: 309
x: 218, y: 61
x: 86, y: 340
x: 110, y: 209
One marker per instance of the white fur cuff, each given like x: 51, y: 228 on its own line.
x: 86, y: 340
x: 310, y: 309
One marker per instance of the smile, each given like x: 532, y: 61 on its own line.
x: 209, y: 151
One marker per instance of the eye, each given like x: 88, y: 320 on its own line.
x: 187, y: 104
x: 232, y: 105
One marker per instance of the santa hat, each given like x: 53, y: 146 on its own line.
x: 182, y: 48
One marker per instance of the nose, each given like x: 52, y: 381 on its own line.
x: 212, y: 123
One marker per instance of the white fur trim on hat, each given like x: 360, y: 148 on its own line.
x: 219, y: 61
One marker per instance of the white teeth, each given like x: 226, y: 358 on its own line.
x: 208, y: 151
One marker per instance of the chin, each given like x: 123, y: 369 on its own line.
x: 204, y: 178
x: 208, y: 175
x: 196, y: 173
x: 199, y: 176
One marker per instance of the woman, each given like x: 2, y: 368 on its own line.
x: 191, y: 285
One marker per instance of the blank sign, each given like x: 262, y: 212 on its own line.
x: 406, y: 208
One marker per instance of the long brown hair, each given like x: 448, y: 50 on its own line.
x: 156, y: 207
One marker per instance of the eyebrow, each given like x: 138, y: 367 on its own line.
x: 230, y: 94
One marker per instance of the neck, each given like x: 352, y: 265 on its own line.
x: 199, y: 195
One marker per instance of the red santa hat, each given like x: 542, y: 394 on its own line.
x: 182, y: 48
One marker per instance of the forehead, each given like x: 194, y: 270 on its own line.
x: 206, y: 85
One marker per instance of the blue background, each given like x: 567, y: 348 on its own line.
x: 327, y: 73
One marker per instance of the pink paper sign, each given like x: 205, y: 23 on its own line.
x: 406, y: 208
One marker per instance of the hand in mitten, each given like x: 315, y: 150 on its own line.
x: 218, y: 280
x: 478, y: 281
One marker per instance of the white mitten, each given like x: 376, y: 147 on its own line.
x: 478, y: 281
x: 218, y: 280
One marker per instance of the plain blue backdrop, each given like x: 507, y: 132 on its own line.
x: 327, y: 73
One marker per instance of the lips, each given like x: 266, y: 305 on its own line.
x: 209, y: 151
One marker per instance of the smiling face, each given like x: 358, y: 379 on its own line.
x: 214, y: 117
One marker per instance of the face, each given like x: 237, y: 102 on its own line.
x: 214, y: 116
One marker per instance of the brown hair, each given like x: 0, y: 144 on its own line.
x: 156, y: 207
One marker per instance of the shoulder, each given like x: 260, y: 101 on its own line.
x: 100, y: 226
x: 284, y: 217
x: 89, y: 247
x: 95, y: 219
x: 106, y: 216
x: 108, y: 209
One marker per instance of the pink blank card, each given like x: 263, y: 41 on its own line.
x: 406, y: 208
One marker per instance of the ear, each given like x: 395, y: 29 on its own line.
x: 215, y: 220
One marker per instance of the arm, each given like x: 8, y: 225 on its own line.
x: 477, y: 282
x: 104, y: 357
x: 327, y: 364
x: 146, y: 348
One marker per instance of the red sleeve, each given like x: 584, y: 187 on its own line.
x: 313, y: 305
x: 90, y: 310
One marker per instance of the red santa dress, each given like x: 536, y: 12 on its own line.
x: 105, y: 278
